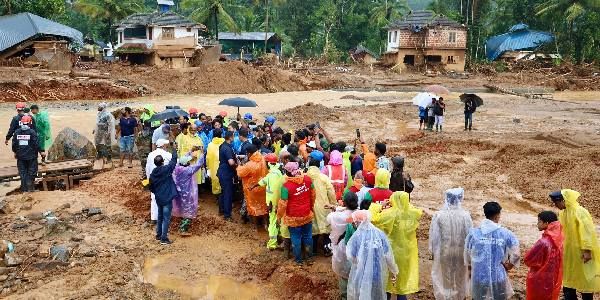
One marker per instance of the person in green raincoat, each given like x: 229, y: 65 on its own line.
x: 581, y: 258
x: 143, y: 140
x: 42, y: 127
x: 348, y: 165
x: 400, y: 222
x: 272, y: 182
x: 147, y: 115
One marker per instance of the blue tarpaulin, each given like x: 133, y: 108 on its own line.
x: 519, y: 37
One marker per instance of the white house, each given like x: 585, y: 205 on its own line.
x: 158, y: 38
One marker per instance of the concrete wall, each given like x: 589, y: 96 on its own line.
x: 181, y: 37
x: 452, y: 59
x: 431, y: 38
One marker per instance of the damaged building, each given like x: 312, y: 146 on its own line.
x: 424, y: 39
x: 163, y: 38
x: 31, y: 40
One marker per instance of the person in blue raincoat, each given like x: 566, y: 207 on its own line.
x: 491, y: 250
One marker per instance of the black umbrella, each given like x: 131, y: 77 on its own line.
x: 169, y: 113
x: 476, y: 99
x: 238, y: 102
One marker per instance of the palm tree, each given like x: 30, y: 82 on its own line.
x: 267, y: 5
x: 387, y: 10
x: 570, y: 9
x: 205, y: 11
x: 109, y: 11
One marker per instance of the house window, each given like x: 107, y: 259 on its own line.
x: 137, y: 32
x: 452, y: 37
x: 168, y: 33
x: 389, y: 36
x: 452, y: 59
x: 395, y: 36
x: 149, y: 33
x: 188, y: 29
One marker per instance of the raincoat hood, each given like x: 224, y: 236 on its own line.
x: 256, y: 157
x: 382, y: 179
x: 454, y: 198
x: 295, y: 179
x: 401, y: 201
x: 335, y: 158
x: 554, y: 232
x: 570, y: 197
x: 274, y: 167
x: 149, y: 108
x: 488, y: 226
x: 313, y: 172
x: 369, y: 162
x: 218, y: 141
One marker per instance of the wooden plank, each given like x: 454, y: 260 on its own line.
x: 54, y: 167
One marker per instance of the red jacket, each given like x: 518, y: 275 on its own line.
x: 380, y: 195
x: 544, y: 280
x: 297, y: 200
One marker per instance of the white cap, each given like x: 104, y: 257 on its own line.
x: 312, y: 144
x: 161, y: 142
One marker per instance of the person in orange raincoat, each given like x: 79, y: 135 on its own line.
x: 250, y: 174
x: 544, y: 259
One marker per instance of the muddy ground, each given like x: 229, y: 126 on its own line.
x: 521, y: 150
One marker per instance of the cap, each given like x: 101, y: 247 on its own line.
x: 161, y: 142
x: 223, y: 114
x: 20, y: 105
x: 556, y: 196
x: 193, y: 111
x: 271, y: 158
x: 349, y: 149
x: 316, y: 155
x: 270, y: 119
x: 312, y: 144
x: 26, y: 119
x: 248, y: 116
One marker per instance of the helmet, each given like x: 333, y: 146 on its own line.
x: 271, y: 158
x: 223, y: 114
x: 270, y: 119
x: 20, y: 105
x: 248, y: 116
x: 193, y: 111
x: 26, y: 120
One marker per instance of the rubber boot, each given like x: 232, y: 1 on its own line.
x: 436, y: 128
x: 440, y: 128
x: 308, y: 254
x: 287, y: 247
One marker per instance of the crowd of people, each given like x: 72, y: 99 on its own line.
x: 317, y: 196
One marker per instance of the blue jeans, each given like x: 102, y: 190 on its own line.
x: 28, y: 169
x: 301, y: 235
x: 126, y: 144
x: 226, y: 197
x: 468, y: 120
x: 163, y: 220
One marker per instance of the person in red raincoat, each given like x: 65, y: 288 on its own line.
x: 544, y: 259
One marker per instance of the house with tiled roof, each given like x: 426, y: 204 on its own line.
x: 422, y: 39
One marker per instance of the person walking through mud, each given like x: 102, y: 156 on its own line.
x: 126, y: 132
x: 185, y: 205
x: 581, y: 262
x: 438, y: 110
x: 105, y: 125
x: 227, y: 165
x: 470, y: 107
x: 25, y: 147
x: 15, y: 122
x: 163, y: 186
x: 42, y: 121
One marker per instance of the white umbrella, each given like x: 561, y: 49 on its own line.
x: 423, y: 99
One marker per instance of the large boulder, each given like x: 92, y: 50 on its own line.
x: 70, y: 144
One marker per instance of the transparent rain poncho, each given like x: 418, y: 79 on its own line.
x: 340, y: 264
x: 486, y: 248
x: 372, y: 259
x: 449, y: 228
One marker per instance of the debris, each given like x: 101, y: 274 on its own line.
x: 64, y: 206
x: 3, y: 277
x: 4, y: 207
x: 17, y: 226
x: 60, y: 253
x: 516, y: 120
x: 12, y: 260
x: 87, y: 251
x: 34, y: 216
x: 77, y: 238
x: 92, y: 211
x: 97, y: 218
x: 4, y: 270
x: 49, y: 265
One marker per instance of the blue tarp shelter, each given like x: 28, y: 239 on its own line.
x: 519, y: 37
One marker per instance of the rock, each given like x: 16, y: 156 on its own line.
x: 26, y: 206
x: 34, y: 216
x: 70, y: 144
x: 516, y: 120
x: 87, y: 251
x: 18, y: 226
x: 11, y: 260
x: 43, y: 250
x: 49, y: 265
x: 77, y: 238
x: 97, y: 218
x: 92, y: 211
x: 60, y: 253
x: 64, y: 206
x: 3, y: 277
x: 4, y: 207
x: 4, y: 270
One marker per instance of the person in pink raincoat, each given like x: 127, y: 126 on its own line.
x: 185, y: 205
x: 336, y: 172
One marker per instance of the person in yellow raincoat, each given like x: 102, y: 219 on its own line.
x: 400, y: 223
x: 147, y: 115
x: 185, y: 145
x: 325, y: 195
x: 272, y: 183
x: 581, y: 258
x: 250, y: 174
x: 212, y: 160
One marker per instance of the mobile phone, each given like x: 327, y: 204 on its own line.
x: 357, y: 133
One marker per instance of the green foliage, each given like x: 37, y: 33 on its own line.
x: 500, y: 66
x: 50, y: 9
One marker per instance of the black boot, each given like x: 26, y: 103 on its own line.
x: 287, y: 246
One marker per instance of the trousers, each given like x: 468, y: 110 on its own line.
x: 301, y: 235
x: 163, y: 221
x: 226, y: 195
x: 273, y: 230
x: 28, y: 169
x: 571, y: 294
x: 468, y: 120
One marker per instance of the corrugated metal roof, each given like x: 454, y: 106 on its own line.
x: 245, y: 36
x: 158, y: 19
x: 520, y: 37
x: 417, y: 20
x: 165, y: 2
x: 15, y: 29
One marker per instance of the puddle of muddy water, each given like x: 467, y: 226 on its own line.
x: 159, y: 273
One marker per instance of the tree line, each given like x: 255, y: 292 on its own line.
x: 329, y: 28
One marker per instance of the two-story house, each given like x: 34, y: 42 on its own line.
x: 161, y: 38
x: 425, y: 38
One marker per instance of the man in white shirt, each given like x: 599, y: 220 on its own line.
x: 160, y: 150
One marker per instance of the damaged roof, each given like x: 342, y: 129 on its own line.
x: 519, y: 37
x: 418, y: 20
x: 15, y: 29
x: 246, y: 36
x: 162, y: 19
x: 362, y: 49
